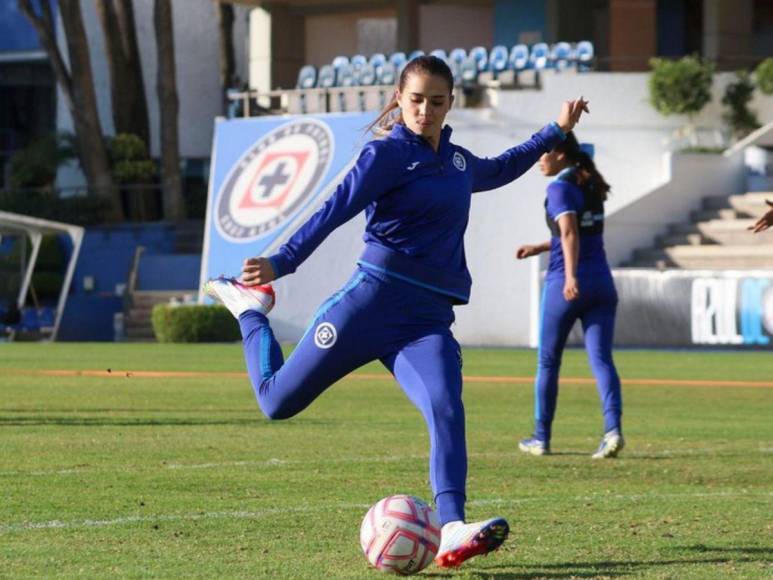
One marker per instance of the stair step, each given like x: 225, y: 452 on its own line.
x: 703, y: 215
x: 712, y: 256
x: 686, y: 239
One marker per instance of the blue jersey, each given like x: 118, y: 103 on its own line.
x: 565, y: 196
x: 417, y: 204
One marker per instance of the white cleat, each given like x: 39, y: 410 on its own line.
x: 460, y: 542
x: 611, y: 444
x: 239, y: 298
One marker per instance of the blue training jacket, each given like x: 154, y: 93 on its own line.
x: 417, y: 205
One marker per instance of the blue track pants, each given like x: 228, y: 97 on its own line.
x: 404, y: 326
x: 595, y: 308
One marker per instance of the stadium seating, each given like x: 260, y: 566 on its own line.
x: 307, y: 77
x: 439, y: 53
x: 361, y: 75
x: 377, y: 60
x: 561, y: 55
x: 498, y: 60
x: 519, y: 57
x: 584, y: 55
x: 540, y: 56
x: 398, y: 60
x: 457, y: 55
x: 480, y: 55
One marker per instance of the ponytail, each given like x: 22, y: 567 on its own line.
x: 588, y: 176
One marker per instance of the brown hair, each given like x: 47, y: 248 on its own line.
x: 429, y: 65
x: 588, y: 177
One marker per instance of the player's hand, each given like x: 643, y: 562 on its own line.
x: 571, y: 111
x: 571, y: 289
x: 526, y: 252
x: 257, y: 271
x: 765, y: 221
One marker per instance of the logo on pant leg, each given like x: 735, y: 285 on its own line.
x: 325, y: 335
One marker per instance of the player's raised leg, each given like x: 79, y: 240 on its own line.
x: 337, y: 342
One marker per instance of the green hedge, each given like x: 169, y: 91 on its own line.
x: 195, y: 323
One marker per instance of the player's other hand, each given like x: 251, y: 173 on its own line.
x: 526, y: 252
x: 257, y: 271
x: 570, y: 114
x: 571, y: 289
x: 765, y: 221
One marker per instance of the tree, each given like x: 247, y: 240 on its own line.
x: 225, y: 25
x: 127, y: 87
x: 764, y: 74
x: 166, y: 85
x: 77, y: 85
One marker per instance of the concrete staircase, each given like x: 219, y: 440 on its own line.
x: 137, y: 320
x: 716, y: 238
x: 139, y: 304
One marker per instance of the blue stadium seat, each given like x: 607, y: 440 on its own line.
x: 439, y: 53
x: 480, y: 56
x: 540, y: 56
x: 398, y: 59
x: 584, y: 55
x: 456, y: 71
x: 561, y: 55
x: 468, y: 71
x: 367, y: 75
x: 457, y: 55
x: 519, y: 57
x: 346, y: 76
x: 307, y: 77
x: 29, y: 320
x: 498, y: 60
x: 414, y: 54
x: 387, y: 74
x: 326, y: 77
x: 46, y: 317
x: 358, y: 61
x: 340, y: 61
x: 377, y: 60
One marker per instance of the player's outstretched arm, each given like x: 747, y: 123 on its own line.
x: 494, y: 172
x: 765, y: 221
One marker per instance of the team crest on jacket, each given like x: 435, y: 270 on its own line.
x: 273, y: 180
x: 325, y: 335
x: 459, y: 161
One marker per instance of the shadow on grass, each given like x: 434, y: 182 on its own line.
x: 62, y: 421
x: 613, y: 568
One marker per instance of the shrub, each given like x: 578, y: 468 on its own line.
x: 739, y: 117
x: 36, y: 164
x: 681, y: 86
x: 129, y: 157
x: 194, y: 323
x: 764, y: 74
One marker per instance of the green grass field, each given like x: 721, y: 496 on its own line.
x: 131, y: 476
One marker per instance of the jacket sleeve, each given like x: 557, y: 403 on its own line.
x: 366, y: 182
x: 491, y: 173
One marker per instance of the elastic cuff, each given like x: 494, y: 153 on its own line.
x: 558, y: 131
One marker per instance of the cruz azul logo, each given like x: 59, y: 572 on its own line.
x: 273, y: 180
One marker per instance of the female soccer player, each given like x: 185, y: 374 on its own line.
x: 415, y: 187
x: 578, y: 285
x: 765, y: 221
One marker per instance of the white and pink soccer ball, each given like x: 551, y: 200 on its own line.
x: 400, y: 535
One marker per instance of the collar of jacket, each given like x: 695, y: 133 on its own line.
x: 401, y: 132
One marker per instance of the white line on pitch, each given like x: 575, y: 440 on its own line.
x: 88, y: 523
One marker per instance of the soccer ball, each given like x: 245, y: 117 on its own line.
x: 400, y: 535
